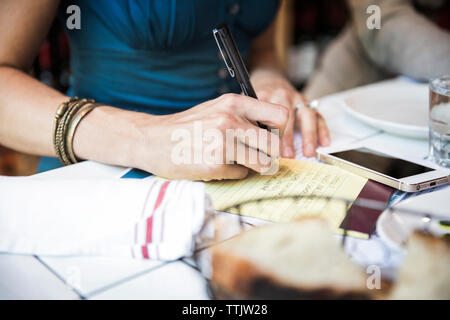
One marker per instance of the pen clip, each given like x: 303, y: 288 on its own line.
x: 230, y: 70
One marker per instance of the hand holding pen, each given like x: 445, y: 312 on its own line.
x: 273, y: 87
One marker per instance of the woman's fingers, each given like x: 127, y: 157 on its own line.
x: 254, y: 159
x: 258, y: 139
x: 324, y: 133
x: 287, y: 142
x: 226, y: 172
x: 273, y: 115
x: 284, y: 98
x: 308, y: 128
x: 249, y: 150
x: 314, y: 129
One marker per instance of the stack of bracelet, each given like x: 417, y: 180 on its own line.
x: 68, y: 116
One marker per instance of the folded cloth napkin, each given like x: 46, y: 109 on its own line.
x: 144, y: 219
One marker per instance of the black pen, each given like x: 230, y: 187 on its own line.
x: 230, y: 53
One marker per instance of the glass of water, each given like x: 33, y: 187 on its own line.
x: 439, y: 121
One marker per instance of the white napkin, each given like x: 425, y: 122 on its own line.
x: 144, y: 219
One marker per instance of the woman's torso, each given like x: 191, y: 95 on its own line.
x: 158, y: 56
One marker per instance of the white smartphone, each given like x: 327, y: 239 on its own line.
x: 390, y: 170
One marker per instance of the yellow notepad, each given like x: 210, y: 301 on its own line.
x: 295, y: 177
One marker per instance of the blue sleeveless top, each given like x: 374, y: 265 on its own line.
x: 157, y: 56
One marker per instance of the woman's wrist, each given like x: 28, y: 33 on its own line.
x: 110, y: 135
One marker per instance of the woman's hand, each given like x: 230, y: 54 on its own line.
x: 272, y: 87
x: 214, y: 140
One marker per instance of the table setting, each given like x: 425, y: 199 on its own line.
x: 150, y: 254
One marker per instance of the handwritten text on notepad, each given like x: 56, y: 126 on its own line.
x: 270, y: 197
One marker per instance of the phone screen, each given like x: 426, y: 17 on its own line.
x: 382, y: 163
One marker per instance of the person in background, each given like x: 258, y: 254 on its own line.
x: 407, y: 44
x: 156, y: 69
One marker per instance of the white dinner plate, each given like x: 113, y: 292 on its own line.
x: 395, y: 106
x: 394, y: 228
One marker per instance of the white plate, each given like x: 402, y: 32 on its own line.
x: 395, y: 106
x: 394, y: 228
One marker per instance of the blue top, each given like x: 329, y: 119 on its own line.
x: 157, y: 56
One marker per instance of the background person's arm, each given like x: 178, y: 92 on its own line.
x: 407, y: 43
x: 344, y: 65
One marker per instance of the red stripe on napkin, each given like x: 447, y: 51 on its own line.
x: 145, y: 254
x: 158, y: 202
x: 136, y: 226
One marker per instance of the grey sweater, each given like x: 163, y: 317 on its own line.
x: 406, y: 44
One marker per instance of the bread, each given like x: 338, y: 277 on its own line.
x: 287, y: 261
x: 425, y: 271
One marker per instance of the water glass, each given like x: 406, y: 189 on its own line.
x: 439, y: 121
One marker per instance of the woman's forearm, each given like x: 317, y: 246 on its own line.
x: 27, y: 110
x: 113, y: 136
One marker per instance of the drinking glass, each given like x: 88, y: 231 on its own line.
x: 439, y: 121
